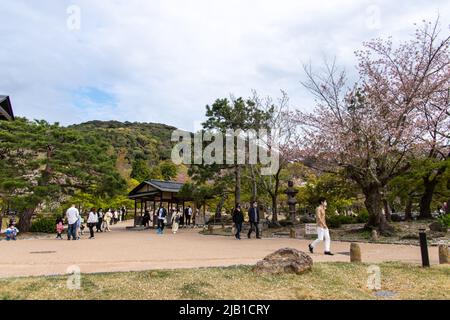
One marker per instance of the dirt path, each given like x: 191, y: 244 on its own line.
x: 123, y: 250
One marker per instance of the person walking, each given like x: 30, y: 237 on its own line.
x: 124, y: 213
x: 188, y: 216
x: 238, y: 219
x: 322, y: 229
x: 100, y: 220
x: 116, y: 216
x: 253, y: 215
x: 146, y: 219
x: 59, y: 227
x: 72, y: 215
x: 176, y: 221
x: 80, y: 226
x: 162, y: 213
x: 92, y: 222
x: 107, y: 220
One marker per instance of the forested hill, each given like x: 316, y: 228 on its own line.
x: 44, y: 166
x: 133, y: 141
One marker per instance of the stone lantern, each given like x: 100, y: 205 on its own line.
x: 292, y: 201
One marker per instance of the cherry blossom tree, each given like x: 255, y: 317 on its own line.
x: 373, y: 128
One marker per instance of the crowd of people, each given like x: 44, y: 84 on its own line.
x: 177, y: 219
x: 97, y: 219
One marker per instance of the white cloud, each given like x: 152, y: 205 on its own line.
x: 163, y: 61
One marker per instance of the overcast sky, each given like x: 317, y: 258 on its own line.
x: 163, y: 61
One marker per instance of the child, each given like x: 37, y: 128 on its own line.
x: 59, y: 228
x: 11, y: 232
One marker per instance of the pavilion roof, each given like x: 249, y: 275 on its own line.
x: 164, y: 186
x: 6, y: 112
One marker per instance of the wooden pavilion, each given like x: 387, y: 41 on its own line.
x: 153, y: 194
x: 6, y: 111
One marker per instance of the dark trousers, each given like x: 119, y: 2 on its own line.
x: 255, y: 225
x: 161, y: 224
x: 91, y: 229
x: 99, y: 225
x: 188, y: 220
x: 58, y: 235
x: 72, y: 231
x: 238, y: 230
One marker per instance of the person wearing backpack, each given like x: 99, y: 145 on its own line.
x: 176, y: 218
x: 162, y: 213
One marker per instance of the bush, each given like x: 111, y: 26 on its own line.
x: 44, y: 225
x: 363, y: 217
x: 445, y: 220
x: 334, y: 222
x: 286, y: 223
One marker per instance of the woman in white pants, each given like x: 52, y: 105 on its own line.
x: 322, y: 230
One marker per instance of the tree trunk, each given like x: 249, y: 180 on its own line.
x: 274, y: 198
x: 427, y: 198
x: 408, y: 209
x: 254, y: 185
x: 387, y: 209
x: 220, y: 206
x: 25, y: 220
x: 374, y: 205
x: 237, y: 191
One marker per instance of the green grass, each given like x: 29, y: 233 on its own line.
x: 325, y: 281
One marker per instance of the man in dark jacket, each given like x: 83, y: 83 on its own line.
x: 238, y: 219
x: 253, y: 215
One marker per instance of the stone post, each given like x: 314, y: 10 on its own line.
x: 443, y: 254
x: 293, y: 233
x: 355, y: 253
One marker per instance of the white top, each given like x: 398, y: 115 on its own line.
x: 160, y: 214
x: 72, y: 215
x: 93, y: 218
x: 190, y: 211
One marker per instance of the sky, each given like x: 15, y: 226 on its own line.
x: 164, y: 61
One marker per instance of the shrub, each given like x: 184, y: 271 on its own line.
x: 286, y: 223
x: 445, y: 220
x: 44, y: 224
x: 334, y: 222
x: 363, y: 217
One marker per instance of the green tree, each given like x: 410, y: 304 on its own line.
x: 140, y: 171
x: 43, y: 163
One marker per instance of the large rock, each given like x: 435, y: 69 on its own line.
x: 285, y: 260
x: 437, y: 227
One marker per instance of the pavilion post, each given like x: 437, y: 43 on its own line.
x: 135, y: 211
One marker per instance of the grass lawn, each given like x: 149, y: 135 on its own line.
x: 326, y: 281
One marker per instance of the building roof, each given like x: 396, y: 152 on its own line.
x: 164, y: 186
x: 6, y: 112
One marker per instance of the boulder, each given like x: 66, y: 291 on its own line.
x: 374, y: 236
x: 286, y: 260
x: 437, y: 227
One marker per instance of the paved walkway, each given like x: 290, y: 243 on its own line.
x: 123, y: 250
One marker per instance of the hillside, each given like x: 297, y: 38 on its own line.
x: 132, y: 141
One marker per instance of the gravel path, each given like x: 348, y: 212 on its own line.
x: 123, y: 250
